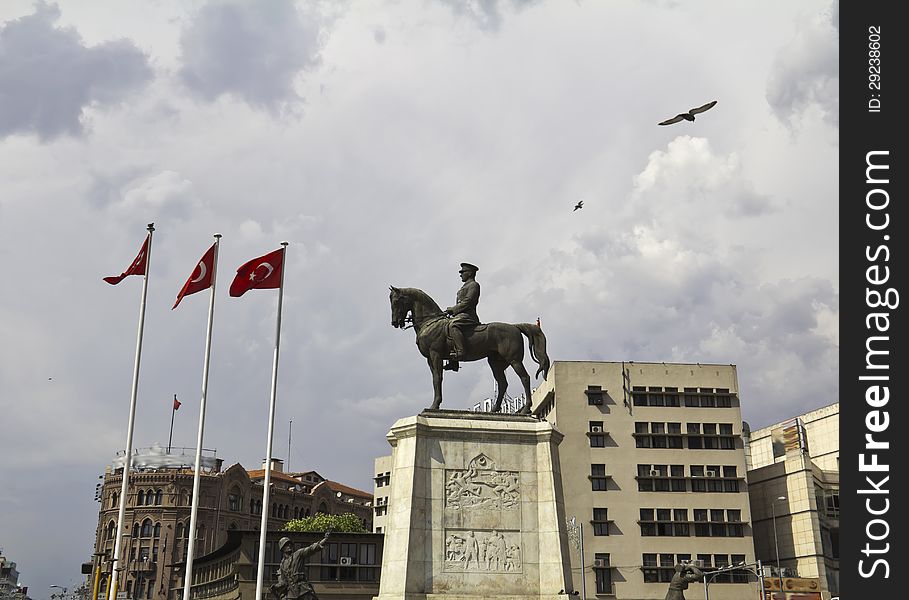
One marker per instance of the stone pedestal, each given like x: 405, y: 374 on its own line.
x: 475, y: 509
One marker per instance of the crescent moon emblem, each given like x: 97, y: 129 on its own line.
x: 202, y: 272
x: 270, y: 268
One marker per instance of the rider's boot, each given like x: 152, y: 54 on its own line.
x: 456, y: 340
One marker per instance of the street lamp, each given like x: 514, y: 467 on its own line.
x: 60, y: 595
x: 776, y: 542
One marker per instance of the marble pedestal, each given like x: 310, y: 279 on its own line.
x: 475, y: 509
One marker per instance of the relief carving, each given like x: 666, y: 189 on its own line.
x: 482, y: 486
x: 490, y: 552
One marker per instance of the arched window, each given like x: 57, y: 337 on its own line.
x: 274, y: 509
x: 111, y: 530
x: 140, y: 498
x: 323, y: 508
x: 135, y: 530
x: 232, y: 526
x: 286, y: 512
x: 150, y: 497
x: 157, y: 531
x: 179, y: 532
x: 200, y: 531
x: 113, y: 499
x: 296, y: 512
x: 235, y: 500
x: 308, y: 512
x: 146, y: 528
x: 159, y: 496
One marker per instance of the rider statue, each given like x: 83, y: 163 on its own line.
x: 463, y: 314
x: 685, y: 573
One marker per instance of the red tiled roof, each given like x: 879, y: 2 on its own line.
x: 346, y: 489
x: 275, y: 475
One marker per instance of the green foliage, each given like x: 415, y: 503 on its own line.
x: 346, y: 523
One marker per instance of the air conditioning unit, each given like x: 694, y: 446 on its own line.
x: 346, y: 561
x: 599, y: 563
x: 596, y: 429
x: 709, y: 473
x: 654, y: 473
x: 698, y: 563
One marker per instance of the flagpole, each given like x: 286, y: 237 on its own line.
x: 260, y: 575
x: 128, y: 458
x: 197, y: 476
x: 173, y: 411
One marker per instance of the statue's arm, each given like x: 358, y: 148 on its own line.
x: 696, y: 574
x: 471, y: 299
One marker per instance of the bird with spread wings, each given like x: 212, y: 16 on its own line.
x: 688, y: 116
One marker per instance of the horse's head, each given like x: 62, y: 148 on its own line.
x: 400, y: 306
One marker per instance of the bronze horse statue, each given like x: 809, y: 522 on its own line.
x: 500, y: 344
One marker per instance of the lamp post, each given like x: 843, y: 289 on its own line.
x: 776, y: 542
x: 576, y: 535
x: 62, y: 594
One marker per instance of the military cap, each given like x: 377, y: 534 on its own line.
x: 473, y: 268
x: 283, y: 542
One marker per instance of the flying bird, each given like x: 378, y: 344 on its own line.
x: 580, y: 204
x: 688, y: 116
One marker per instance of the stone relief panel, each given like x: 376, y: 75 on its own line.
x: 481, y: 486
x: 494, y: 551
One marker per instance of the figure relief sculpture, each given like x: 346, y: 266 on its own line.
x: 482, y: 487
x: 456, y: 334
x: 685, y: 573
x: 491, y: 552
x: 292, y: 582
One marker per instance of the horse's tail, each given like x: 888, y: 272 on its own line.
x: 537, y: 344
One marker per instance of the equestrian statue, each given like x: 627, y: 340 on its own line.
x: 457, y: 335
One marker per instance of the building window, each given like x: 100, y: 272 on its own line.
x: 649, y: 566
x: 603, y: 573
x: 135, y: 530
x: 598, y: 477
x: 156, y: 532
x: 234, y: 500
x: 832, y: 504
x: 140, y: 498
x: 600, y: 521
x: 596, y: 434
x: 383, y: 479
x: 594, y: 395
x: 159, y: 497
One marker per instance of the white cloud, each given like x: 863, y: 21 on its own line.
x: 805, y: 74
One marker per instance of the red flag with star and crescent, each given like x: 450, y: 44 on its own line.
x: 137, y: 267
x: 202, y: 277
x: 260, y: 273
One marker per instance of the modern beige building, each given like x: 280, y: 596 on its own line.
x: 793, y: 477
x: 653, y: 469
x: 156, y: 535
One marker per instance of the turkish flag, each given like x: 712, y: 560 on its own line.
x: 202, y: 277
x: 136, y: 268
x: 259, y: 274
x: 177, y: 403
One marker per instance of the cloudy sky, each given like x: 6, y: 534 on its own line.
x: 387, y: 141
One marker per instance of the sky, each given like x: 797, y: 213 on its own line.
x: 387, y: 141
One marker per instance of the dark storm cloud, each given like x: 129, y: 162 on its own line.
x: 805, y: 73
x: 252, y: 50
x: 48, y: 76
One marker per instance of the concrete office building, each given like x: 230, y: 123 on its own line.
x: 793, y: 476
x: 653, y: 469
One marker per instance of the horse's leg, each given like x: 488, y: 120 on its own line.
x: 435, y: 365
x: 518, y: 367
x: 498, y: 366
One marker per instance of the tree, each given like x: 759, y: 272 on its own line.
x: 346, y: 523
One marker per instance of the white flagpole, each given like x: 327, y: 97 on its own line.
x: 197, y: 477
x: 128, y: 458
x: 260, y: 575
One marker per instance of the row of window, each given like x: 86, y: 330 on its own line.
x: 338, y: 561
x: 704, y: 478
x: 707, y: 522
x: 692, y: 397
x: 659, y: 568
x: 657, y: 478
x: 712, y: 436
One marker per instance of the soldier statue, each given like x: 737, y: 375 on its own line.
x: 463, y: 314
x: 685, y: 573
x: 292, y: 581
